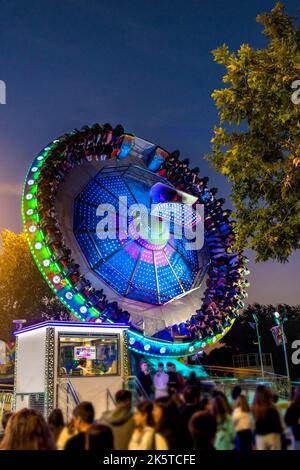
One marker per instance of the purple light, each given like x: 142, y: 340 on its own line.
x: 39, y: 326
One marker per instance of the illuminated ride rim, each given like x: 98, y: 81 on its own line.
x: 176, y: 300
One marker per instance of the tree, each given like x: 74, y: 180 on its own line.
x: 23, y: 291
x: 256, y: 143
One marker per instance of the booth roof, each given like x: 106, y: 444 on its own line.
x: 68, y: 324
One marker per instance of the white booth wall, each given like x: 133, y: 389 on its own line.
x: 29, y: 366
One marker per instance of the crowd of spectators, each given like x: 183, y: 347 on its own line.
x: 180, y: 420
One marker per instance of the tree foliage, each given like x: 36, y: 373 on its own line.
x: 257, y: 141
x: 23, y: 292
x: 292, y: 312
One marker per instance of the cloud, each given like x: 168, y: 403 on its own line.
x: 10, y: 189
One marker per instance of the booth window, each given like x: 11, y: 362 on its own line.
x: 88, y: 355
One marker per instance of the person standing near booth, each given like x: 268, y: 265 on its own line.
x: 161, y: 380
x: 145, y: 379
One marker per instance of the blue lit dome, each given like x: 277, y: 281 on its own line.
x: 155, y: 269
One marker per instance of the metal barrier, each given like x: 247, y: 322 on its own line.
x: 67, y: 398
x: 109, y: 399
x: 279, y: 384
x: 139, y: 394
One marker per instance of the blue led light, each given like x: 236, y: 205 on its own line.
x: 140, y: 270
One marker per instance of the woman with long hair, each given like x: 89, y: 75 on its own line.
x: 168, y: 425
x: 268, y: 428
x: 143, y: 437
x: 27, y: 430
x: 225, y: 435
x: 67, y: 433
x: 243, y: 424
x: 56, y: 423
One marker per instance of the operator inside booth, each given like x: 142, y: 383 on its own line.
x: 88, y: 355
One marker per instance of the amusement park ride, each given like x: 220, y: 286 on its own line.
x: 151, y: 296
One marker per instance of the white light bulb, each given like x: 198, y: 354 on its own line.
x: 56, y: 279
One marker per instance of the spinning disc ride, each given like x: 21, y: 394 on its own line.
x: 176, y: 299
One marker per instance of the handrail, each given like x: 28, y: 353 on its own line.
x: 73, y: 391
x: 138, y: 386
x: 70, y: 395
x: 109, y: 396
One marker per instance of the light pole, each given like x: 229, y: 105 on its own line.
x: 254, y: 316
x: 279, y: 321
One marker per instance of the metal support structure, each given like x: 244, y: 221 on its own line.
x: 279, y: 321
x: 285, y: 352
x: 259, y: 345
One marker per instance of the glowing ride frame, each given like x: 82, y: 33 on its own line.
x: 53, y: 271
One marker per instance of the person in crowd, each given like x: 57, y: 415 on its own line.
x: 161, y: 380
x: 66, y: 434
x: 203, y: 427
x: 83, y: 415
x: 292, y: 419
x: 285, y: 440
x: 180, y: 378
x: 267, y: 425
x: 225, y: 430
x: 99, y: 438
x: 145, y: 379
x: 173, y: 382
x: 27, y: 430
x: 191, y: 404
x: 204, y: 404
x: 168, y: 424
x: 219, y: 393
x: 120, y: 420
x: 56, y: 423
x: 243, y: 424
x: 144, y: 436
x: 235, y: 393
x: 192, y: 380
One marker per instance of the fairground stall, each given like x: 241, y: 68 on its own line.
x: 59, y: 364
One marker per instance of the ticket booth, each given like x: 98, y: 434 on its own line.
x: 59, y: 364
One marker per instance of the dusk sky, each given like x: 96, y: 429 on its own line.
x: 146, y: 64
